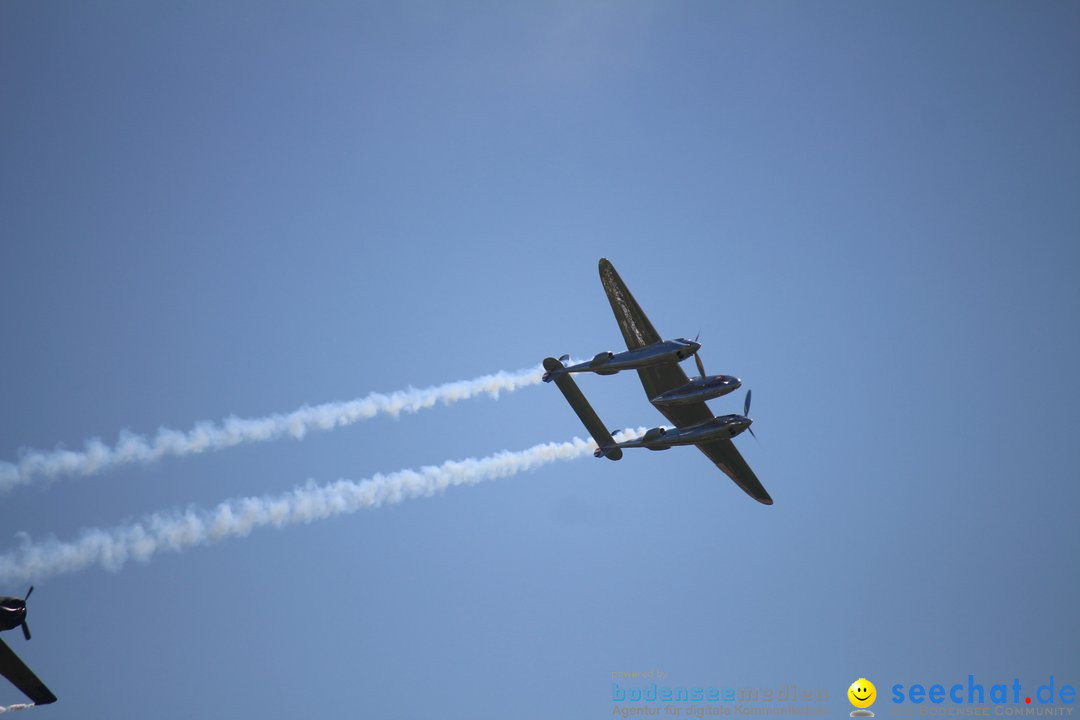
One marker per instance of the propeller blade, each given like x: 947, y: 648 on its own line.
x: 27, y: 596
x: 564, y: 358
x: 700, y: 365
x: 746, y: 405
x: 752, y: 433
x: 25, y: 630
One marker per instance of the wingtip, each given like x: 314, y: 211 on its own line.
x: 608, y: 274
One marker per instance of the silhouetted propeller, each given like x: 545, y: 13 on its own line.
x: 746, y: 413
x: 697, y: 357
x: 25, y: 627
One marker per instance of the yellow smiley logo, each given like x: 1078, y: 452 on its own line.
x: 862, y: 693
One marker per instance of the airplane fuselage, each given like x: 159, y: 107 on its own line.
x: 609, y: 363
x: 698, y: 390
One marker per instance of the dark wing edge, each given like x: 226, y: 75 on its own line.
x: 636, y: 329
x: 22, y: 677
x: 728, y: 458
x: 584, y: 410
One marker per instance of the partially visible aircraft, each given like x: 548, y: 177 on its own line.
x: 679, y: 399
x: 13, y: 614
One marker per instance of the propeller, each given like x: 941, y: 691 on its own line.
x: 25, y: 627
x: 697, y: 357
x: 746, y: 413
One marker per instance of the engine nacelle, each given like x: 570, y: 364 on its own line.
x: 602, y: 357
x: 654, y: 434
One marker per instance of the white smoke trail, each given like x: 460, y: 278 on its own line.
x: 207, y: 435
x: 16, y: 707
x: 112, y: 548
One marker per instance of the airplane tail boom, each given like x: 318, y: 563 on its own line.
x: 570, y: 390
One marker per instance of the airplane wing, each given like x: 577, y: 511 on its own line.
x: 584, y: 410
x: 639, y: 332
x: 727, y: 458
x: 636, y: 328
x: 22, y: 677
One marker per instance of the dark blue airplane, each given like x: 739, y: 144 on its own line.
x: 677, y: 397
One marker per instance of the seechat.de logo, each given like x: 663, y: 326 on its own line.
x: 1009, y: 699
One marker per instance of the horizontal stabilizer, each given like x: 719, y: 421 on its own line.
x: 22, y: 677
x: 584, y: 410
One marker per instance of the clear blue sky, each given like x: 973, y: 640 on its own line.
x: 871, y: 211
